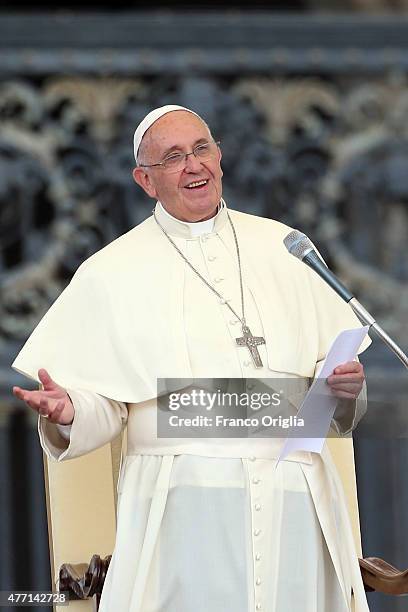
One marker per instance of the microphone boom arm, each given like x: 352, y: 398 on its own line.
x: 367, y: 319
x: 301, y: 247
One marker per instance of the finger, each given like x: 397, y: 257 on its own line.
x: 34, y: 405
x: 348, y: 367
x: 44, y: 408
x: 46, y: 380
x: 346, y: 383
x: 22, y: 394
x: 33, y: 396
x: 352, y: 378
x: 350, y: 392
x: 343, y: 394
x: 355, y: 391
x: 18, y: 392
x: 343, y: 384
x: 56, y: 412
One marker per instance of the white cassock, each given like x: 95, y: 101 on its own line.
x: 203, y: 524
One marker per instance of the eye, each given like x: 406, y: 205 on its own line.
x: 174, y: 157
x: 202, y: 148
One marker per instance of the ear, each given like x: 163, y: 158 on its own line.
x: 219, y: 158
x: 142, y: 178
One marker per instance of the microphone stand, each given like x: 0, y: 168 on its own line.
x: 301, y: 247
x: 367, y: 319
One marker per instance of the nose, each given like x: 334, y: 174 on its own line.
x: 192, y: 163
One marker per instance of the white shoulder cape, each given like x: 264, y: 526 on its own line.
x: 118, y: 325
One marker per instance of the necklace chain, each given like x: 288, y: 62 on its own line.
x: 241, y: 319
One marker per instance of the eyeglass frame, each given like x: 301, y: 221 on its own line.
x: 162, y: 163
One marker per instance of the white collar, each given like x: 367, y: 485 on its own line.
x: 191, y: 230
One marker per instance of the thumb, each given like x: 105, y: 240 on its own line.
x: 46, y: 380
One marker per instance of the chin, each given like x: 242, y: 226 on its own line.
x: 205, y: 212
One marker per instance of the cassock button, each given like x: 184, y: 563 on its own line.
x: 257, y: 532
x: 218, y: 279
x: 212, y: 258
x: 257, y: 506
x: 252, y: 458
x: 258, y: 606
x: 258, y: 581
x: 257, y: 557
x: 255, y: 480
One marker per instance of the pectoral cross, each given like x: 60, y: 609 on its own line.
x: 251, y: 342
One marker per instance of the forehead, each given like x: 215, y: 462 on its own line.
x: 177, y: 128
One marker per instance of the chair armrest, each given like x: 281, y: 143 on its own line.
x: 378, y: 575
x: 82, y: 581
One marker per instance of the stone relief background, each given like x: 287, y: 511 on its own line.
x: 327, y: 157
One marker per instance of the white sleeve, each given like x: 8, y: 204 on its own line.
x: 97, y: 421
x: 64, y: 430
x: 348, y: 412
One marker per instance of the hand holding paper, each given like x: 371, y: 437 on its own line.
x: 319, y: 404
x: 347, y: 380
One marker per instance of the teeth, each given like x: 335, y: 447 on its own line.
x: 196, y: 184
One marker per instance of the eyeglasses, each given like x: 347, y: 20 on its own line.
x: 177, y: 161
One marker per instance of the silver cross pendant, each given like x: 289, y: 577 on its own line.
x: 251, y: 342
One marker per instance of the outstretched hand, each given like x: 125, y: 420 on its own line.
x: 347, y: 380
x: 52, y: 402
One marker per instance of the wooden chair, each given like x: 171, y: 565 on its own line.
x: 81, y: 507
x: 81, y: 512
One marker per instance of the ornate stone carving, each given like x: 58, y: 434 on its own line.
x: 327, y: 157
x: 349, y: 187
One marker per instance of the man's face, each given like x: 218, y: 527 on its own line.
x: 180, y: 131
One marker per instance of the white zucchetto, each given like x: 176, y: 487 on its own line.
x: 151, y: 118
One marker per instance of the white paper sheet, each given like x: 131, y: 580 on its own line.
x: 319, y: 404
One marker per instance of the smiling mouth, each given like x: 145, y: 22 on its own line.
x: 197, y: 184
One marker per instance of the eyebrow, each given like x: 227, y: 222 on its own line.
x: 177, y: 147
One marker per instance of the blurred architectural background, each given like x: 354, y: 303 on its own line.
x: 311, y: 107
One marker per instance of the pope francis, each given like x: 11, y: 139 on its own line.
x: 196, y: 291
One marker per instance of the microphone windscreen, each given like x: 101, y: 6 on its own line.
x: 298, y: 244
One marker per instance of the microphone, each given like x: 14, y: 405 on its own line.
x: 300, y: 246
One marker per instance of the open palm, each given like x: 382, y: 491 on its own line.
x: 52, y: 401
